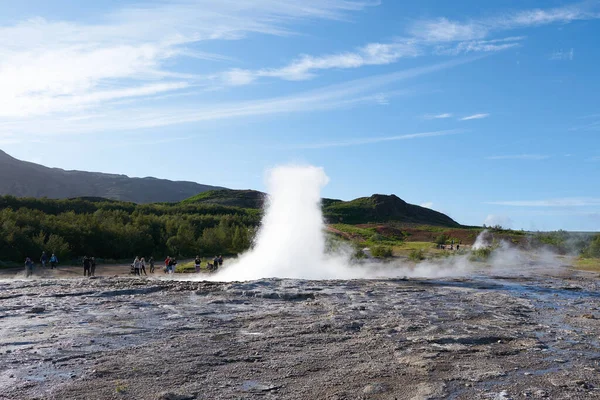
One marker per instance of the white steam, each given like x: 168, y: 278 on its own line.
x: 291, y: 242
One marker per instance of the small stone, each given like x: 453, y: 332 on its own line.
x: 375, y: 388
x: 174, y: 396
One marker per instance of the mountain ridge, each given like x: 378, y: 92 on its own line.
x: 26, y: 179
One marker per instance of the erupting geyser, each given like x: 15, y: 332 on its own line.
x: 291, y: 240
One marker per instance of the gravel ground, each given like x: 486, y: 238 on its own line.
x: 482, y: 337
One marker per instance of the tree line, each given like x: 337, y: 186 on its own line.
x: 118, y: 230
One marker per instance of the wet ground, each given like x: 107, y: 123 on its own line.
x: 483, y: 337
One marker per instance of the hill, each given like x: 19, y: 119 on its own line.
x: 24, y: 179
x: 231, y: 198
x: 383, y: 208
x: 364, y: 210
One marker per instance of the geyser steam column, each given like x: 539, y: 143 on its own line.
x: 291, y: 240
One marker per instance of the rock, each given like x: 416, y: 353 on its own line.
x: 374, y: 388
x: 540, y: 393
x: 174, y: 396
x: 36, y: 310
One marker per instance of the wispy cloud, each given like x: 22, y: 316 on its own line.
x: 437, y: 116
x: 428, y: 204
x: 347, y: 94
x: 560, y: 202
x: 372, y: 140
x: 304, y: 67
x: 52, y: 66
x: 533, y: 157
x: 485, y: 46
x: 445, y: 30
x: 475, y: 116
x: 561, y: 55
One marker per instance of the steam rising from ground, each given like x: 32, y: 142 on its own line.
x: 291, y: 242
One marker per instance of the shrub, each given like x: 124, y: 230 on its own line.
x: 593, y: 249
x: 441, y: 239
x: 381, y: 251
x: 416, y: 255
x: 481, y: 254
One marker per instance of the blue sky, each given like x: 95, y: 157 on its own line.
x: 489, y: 114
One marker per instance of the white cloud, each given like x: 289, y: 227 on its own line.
x: 444, y: 30
x: 305, y: 66
x: 563, y: 55
x: 534, y: 157
x: 428, y: 204
x: 480, y: 46
x: 495, y: 220
x: 475, y: 116
x: 347, y: 94
x: 438, y: 116
x: 561, y: 202
x: 372, y: 140
x: 49, y: 66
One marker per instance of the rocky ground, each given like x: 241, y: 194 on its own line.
x: 483, y: 337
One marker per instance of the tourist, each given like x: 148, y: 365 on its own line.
x: 137, y: 264
x: 28, y: 267
x: 53, y: 261
x: 86, y: 266
x: 172, y: 265
x: 197, y: 262
x: 93, y: 266
x: 143, y: 266
x: 216, y: 262
x: 220, y: 260
x: 151, y: 261
x: 43, y: 259
x: 167, y: 264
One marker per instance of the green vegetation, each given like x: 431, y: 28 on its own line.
x: 482, y: 254
x: 382, y: 208
x: 593, y: 248
x: 417, y: 255
x: 382, y: 252
x: 230, y: 198
x: 372, y: 236
x: 588, y: 264
x: 119, y: 230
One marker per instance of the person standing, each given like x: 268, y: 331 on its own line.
x: 216, y: 262
x: 53, y: 261
x: 143, y: 266
x: 43, y: 259
x: 167, y: 264
x: 151, y: 261
x: 220, y: 260
x: 93, y: 266
x: 137, y: 264
x: 172, y: 265
x: 86, y: 266
x: 28, y: 267
x: 197, y: 263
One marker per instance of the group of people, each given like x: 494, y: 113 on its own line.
x: 170, y: 264
x: 44, y: 260
x: 139, y: 265
x: 217, y: 262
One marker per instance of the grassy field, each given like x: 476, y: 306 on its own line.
x: 587, y: 264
